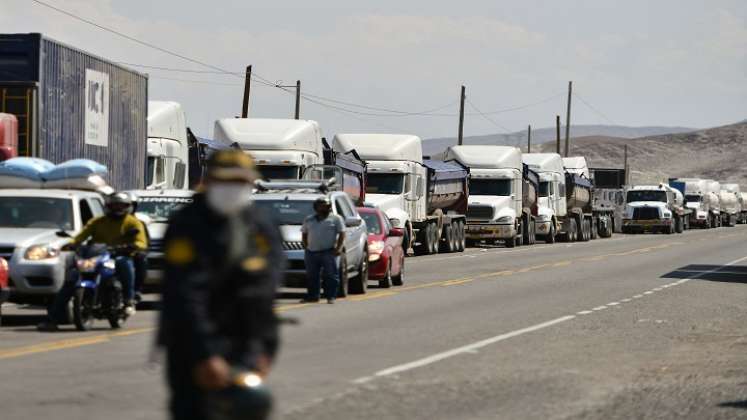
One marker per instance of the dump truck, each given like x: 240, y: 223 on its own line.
x: 282, y: 148
x: 608, y: 197
x: 425, y: 198
x: 71, y: 104
x: 502, y: 203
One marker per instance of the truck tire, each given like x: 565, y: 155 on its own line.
x: 585, y: 230
x: 462, y: 236
x: 678, y: 222
x: 594, y: 228
x: 447, y: 245
x: 434, y: 238
x: 572, y: 231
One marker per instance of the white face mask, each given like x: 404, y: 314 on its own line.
x: 228, y: 198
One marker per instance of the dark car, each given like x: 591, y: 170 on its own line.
x: 4, y: 288
x: 386, y: 257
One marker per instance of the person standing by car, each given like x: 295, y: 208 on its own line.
x: 323, y: 239
x: 223, y: 265
x: 117, y: 228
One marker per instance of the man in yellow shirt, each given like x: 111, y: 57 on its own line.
x: 118, y: 229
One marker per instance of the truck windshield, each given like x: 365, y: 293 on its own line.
x: 269, y: 172
x: 544, y: 190
x: 287, y: 212
x: 36, y: 212
x: 160, y: 208
x: 500, y: 187
x: 650, y: 195
x: 385, y: 183
x: 693, y: 198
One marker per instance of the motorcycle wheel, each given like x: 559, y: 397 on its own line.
x: 83, y: 309
x: 115, y: 307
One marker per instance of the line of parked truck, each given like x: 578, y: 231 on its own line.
x: 60, y: 103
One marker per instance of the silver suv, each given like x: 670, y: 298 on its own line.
x: 290, y: 206
x: 29, y: 219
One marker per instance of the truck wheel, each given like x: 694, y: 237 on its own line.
x: 447, y: 245
x: 461, y: 237
x: 433, y: 239
x: 595, y: 229
x: 572, y: 231
x: 678, y: 225
x: 585, y: 230
x: 454, y: 237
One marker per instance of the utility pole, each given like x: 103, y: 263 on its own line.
x: 461, y: 116
x: 557, y: 134
x: 529, y: 138
x: 568, y: 121
x: 247, y: 86
x: 625, y: 165
x: 298, y: 99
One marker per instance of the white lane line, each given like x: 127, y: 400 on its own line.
x: 461, y: 350
x: 626, y: 300
x: 599, y: 308
x: 584, y: 312
x: 648, y: 292
x: 613, y: 303
x: 637, y: 296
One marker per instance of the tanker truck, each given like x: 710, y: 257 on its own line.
x: 697, y: 200
x: 714, y: 188
x: 565, y: 210
x: 743, y: 200
x: 503, y: 194
x: 731, y: 209
x: 425, y: 198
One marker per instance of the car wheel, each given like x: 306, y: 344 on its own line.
x: 386, y: 282
x: 342, y: 289
x: 359, y: 285
x: 399, y: 279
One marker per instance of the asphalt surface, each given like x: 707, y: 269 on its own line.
x: 642, y: 326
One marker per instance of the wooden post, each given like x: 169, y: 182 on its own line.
x: 557, y: 134
x: 298, y: 99
x: 625, y: 166
x: 568, y: 121
x: 529, y: 138
x: 461, y: 116
x: 247, y: 87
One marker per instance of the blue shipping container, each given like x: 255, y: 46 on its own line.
x: 71, y: 105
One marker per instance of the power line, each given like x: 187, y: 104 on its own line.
x: 490, y: 120
x: 595, y: 110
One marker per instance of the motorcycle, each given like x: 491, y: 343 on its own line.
x: 98, y: 292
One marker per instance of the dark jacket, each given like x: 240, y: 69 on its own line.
x: 221, y: 277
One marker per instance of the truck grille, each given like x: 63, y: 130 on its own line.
x: 645, y: 213
x: 479, y: 212
x: 292, y: 245
x: 6, y: 252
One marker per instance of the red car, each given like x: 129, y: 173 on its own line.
x: 4, y: 290
x: 386, y: 258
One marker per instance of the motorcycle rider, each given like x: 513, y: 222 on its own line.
x: 117, y: 228
x: 223, y: 265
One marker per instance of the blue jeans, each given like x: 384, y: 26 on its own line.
x: 316, y: 261
x: 125, y: 269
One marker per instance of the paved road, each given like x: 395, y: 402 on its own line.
x: 646, y: 326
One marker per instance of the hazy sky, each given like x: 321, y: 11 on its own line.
x: 637, y: 62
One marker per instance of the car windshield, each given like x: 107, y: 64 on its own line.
x: 36, y: 212
x: 270, y: 172
x: 484, y: 186
x: 287, y: 212
x: 161, y: 208
x: 385, y: 183
x: 693, y: 198
x: 544, y: 190
x: 647, y: 195
x: 372, y: 222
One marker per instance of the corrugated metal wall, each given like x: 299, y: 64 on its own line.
x: 61, y: 113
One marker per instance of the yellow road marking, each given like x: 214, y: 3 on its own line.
x: 456, y: 282
x: 371, y: 296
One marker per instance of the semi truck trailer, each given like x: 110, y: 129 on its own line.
x: 731, y: 204
x: 282, y: 148
x: 502, y: 203
x: 608, y: 197
x: 71, y: 104
x: 714, y: 188
x: 425, y: 198
x: 168, y: 147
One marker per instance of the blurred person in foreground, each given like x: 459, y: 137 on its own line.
x: 223, y: 265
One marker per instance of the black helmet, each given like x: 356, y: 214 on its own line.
x: 118, y: 204
x: 246, y: 399
x: 322, y: 201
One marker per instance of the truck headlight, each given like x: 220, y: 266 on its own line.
x: 667, y: 215
x: 505, y: 219
x: 543, y: 218
x: 41, y: 252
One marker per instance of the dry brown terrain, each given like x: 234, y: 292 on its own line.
x: 719, y: 153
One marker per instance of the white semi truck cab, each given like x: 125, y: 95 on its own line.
x: 651, y: 208
x: 698, y: 201
x: 426, y: 199
x: 552, y: 199
x: 282, y: 148
x: 168, y: 148
x: 495, y: 186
